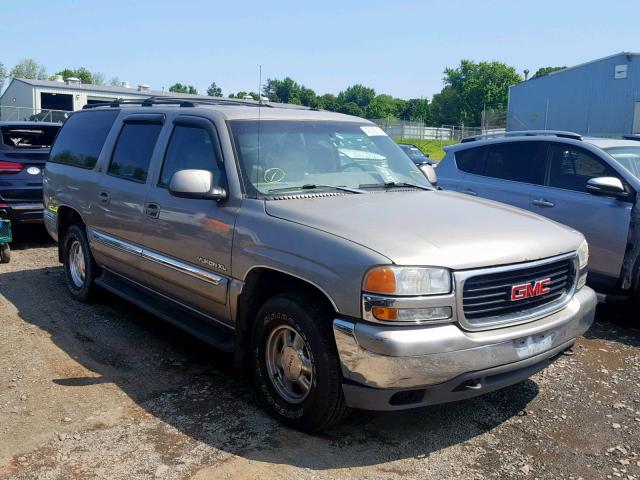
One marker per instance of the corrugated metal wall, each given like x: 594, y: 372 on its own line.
x: 584, y: 99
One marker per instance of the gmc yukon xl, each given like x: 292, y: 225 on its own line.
x: 310, y: 245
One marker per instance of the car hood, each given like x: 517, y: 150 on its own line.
x: 438, y: 228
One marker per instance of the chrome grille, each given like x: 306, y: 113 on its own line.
x: 486, y: 295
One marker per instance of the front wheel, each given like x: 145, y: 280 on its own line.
x: 297, y: 370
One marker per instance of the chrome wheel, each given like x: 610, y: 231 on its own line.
x: 289, y: 363
x: 76, y: 264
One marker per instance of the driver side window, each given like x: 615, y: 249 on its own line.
x: 191, y: 147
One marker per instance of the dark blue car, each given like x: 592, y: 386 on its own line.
x: 24, y: 149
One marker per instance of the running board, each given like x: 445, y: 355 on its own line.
x: 198, y: 325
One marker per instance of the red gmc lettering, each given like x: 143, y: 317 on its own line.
x: 528, y: 290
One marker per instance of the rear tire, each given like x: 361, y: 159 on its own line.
x: 295, y: 363
x: 79, y: 266
x: 5, y: 253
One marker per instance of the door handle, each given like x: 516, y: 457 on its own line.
x: 541, y: 202
x: 468, y: 191
x: 152, y: 210
x: 104, y: 197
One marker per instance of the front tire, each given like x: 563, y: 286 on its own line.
x: 296, y: 365
x: 79, y: 266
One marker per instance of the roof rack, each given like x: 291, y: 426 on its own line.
x: 179, y: 101
x: 635, y: 137
x: 524, y: 133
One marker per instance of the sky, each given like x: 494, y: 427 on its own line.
x: 399, y: 48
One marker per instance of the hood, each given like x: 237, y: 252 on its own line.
x: 438, y: 228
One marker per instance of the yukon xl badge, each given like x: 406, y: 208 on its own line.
x: 212, y: 264
x: 528, y: 290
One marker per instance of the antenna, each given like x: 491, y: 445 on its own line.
x: 259, y: 122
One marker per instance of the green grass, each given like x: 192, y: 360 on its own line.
x: 430, y: 147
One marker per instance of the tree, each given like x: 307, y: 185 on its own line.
x: 214, y: 90
x: 180, y: 88
x: 241, y: 94
x: 99, y: 78
x: 351, y: 108
x: 357, y: 94
x: 416, y: 110
x: 382, y: 106
x: 480, y: 85
x: 3, y: 75
x: 328, y: 101
x: 445, y: 108
x: 541, y: 72
x: 29, y: 68
x: 114, y: 82
x: 82, y: 73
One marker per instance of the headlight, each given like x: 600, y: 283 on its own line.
x: 392, y: 280
x: 583, y: 261
x: 583, y: 254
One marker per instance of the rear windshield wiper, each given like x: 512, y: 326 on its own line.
x: 313, y: 186
x: 395, y: 185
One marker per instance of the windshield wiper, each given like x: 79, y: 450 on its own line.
x: 395, y: 185
x: 313, y: 186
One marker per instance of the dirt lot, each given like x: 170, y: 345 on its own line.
x: 108, y: 391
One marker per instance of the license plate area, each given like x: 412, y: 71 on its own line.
x: 533, y: 344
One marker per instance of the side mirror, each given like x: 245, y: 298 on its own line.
x: 607, y: 186
x: 195, y: 184
x: 429, y: 172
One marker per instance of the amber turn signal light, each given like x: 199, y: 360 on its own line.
x: 380, y: 280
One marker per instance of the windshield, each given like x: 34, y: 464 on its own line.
x: 414, y: 153
x: 628, y: 157
x: 299, y: 155
x: 29, y: 136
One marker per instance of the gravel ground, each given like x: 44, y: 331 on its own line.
x: 108, y: 391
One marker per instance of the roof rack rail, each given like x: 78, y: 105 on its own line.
x: 635, y: 137
x: 181, y: 102
x: 524, y: 133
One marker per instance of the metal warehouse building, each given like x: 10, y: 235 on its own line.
x: 598, y: 97
x: 26, y: 99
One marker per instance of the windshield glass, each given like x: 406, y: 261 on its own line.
x: 628, y: 157
x: 292, y: 155
x: 29, y: 136
x: 414, y: 153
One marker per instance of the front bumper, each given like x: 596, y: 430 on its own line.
x: 390, y: 367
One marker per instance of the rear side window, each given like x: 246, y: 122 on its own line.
x: 471, y: 160
x: 82, y: 137
x: 572, y: 167
x: 517, y: 161
x: 133, y: 150
x: 190, y: 148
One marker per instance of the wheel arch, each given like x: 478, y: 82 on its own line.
x: 67, y: 216
x: 262, y: 283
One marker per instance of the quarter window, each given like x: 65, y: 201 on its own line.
x: 132, y: 154
x: 81, y: 138
x: 191, y: 147
x: 471, y: 160
x: 517, y: 161
x: 572, y: 167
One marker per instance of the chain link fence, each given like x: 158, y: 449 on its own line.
x: 417, y: 130
x: 15, y: 114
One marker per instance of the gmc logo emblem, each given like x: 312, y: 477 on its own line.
x: 528, y: 290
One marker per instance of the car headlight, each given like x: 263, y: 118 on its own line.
x: 392, y: 280
x: 583, y: 262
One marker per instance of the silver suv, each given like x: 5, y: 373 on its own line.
x: 308, y: 244
x: 588, y: 183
